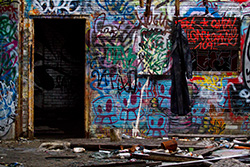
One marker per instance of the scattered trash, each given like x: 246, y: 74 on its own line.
x: 124, y: 155
x: 175, y: 151
x: 229, y: 163
x: 15, y: 164
x: 230, y: 152
x: 115, y: 134
x: 136, y: 148
x: 54, y: 146
x: 170, y: 145
x: 78, y: 149
x: 124, y: 136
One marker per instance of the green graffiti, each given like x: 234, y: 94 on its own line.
x: 7, y: 29
x: 154, y: 48
x: 117, y: 53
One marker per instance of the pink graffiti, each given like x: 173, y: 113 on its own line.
x: 157, y: 124
x: 11, y: 48
x: 105, y: 114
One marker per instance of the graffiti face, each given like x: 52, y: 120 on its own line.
x: 105, y: 111
x: 157, y: 125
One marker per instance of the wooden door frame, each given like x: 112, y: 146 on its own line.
x: 26, y: 30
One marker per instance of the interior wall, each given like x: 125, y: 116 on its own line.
x: 128, y: 63
x: 59, y: 76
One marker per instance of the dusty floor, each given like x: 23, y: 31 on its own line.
x: 29, y: 153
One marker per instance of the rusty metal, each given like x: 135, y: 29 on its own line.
x: 170, y: 145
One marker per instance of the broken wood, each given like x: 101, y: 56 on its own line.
x: 148, y: 6
x: 141, y: 3
x: 188, y: 163
x: 177, y: 8
x: 207, y: 135
x: 61, y: 157
x: 206, y: 151
x: 120, y: 164
x: 97, y: 146
x: 158, y: 156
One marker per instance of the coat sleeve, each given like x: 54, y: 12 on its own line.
x: 187, y: 55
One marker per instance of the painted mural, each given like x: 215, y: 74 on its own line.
x: 129, y: 61
x: 9, y: 64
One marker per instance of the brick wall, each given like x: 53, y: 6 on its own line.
x: 125, y: 49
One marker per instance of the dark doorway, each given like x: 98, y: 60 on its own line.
x: 59, y: 69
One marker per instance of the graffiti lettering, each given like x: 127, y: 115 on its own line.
x: 7, y: 107
x: 210, y: 83
x: 154, y: 20
x: 153, y: 53
x: 119, y: 9
x: 7, y: 30
x: 12, y: 11
x: 57, y: 7
x: 211, y: 34
x: 117, y: 82
x: 117, y: 53
x: 7, y: 2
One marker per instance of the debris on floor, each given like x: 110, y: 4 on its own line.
x: 215, y: 149
x: 133, y: 151
x: 54, y: 146
x: 229, y: 163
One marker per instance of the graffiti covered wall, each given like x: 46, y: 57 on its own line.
x: 9, y: 64
x: 128, y: 64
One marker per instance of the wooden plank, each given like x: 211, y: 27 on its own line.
x: 157, y: 156
x: 119, y: 164
x: 206, y: 135
x: 19, y: 117
x: 206, y: 151
x: 188, y: 163
x: 61, y: 157
x: 98, y: 146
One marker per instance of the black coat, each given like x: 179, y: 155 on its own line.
x: 181, y: 68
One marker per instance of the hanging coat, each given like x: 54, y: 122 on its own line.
x: 181, y: 69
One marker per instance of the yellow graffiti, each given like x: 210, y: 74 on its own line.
x: 212, y: 83
x: 217, y: 125
x: 6, y: 2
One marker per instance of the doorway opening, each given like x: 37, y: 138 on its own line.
x: 59, y: 69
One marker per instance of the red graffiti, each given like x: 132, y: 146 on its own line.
x: 12, y: 12
x: 211, y: 33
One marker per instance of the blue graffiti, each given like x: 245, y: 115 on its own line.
x: 119, y: 9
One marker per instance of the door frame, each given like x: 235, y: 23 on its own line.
x: 25, y: 110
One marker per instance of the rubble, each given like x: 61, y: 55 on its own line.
x: 54, y: 146
x: 134, y: 151
x: 229, y: 163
